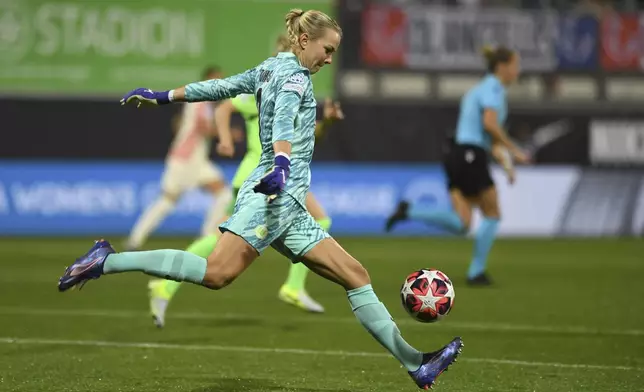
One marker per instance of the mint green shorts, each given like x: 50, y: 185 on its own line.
x: 283, y: 224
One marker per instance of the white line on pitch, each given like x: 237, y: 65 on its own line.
x: 324, y: 319
x: 297, y: 351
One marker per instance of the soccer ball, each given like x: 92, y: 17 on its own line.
x: 427, y: 295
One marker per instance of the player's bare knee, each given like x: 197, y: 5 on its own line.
x: 217, y: 276
x: 217, y: 281
x: 227, y: 261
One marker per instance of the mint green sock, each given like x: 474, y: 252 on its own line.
x: 167, y: 263
x: 376, y: 319
x: 202, y: 247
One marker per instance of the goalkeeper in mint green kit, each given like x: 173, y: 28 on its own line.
x: 270, y: 207
x: 161, y: 291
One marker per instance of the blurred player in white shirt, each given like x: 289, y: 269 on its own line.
x: 188, y: 166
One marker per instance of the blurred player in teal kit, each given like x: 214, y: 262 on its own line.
x: 479, y: 132
x: 270, y: 208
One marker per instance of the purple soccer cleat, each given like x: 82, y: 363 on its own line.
x: 435, y: 363
x: 89, y: 266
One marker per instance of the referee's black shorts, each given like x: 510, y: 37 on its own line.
x: 467, y: 169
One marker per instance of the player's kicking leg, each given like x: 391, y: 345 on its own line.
x: 231, y: 256
x: 229, y: 259
x: 331, y: 261
x: 305, y: 241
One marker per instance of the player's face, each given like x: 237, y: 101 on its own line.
x: 512, y: 69
x: 319, y: 52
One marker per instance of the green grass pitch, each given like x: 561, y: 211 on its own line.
x: 564, y: 315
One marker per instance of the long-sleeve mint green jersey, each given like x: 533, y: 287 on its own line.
x: 287, y: 111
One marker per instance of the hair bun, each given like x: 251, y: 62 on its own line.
x: 292, y: 14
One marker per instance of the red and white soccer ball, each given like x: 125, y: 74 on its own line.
x: 427, y: 295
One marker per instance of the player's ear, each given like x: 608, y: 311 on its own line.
x: 304, y: 40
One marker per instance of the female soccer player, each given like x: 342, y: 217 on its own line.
x: 161, y: 291
x: 270, y: 207
x: 188, y: 166
x: 479, y: 132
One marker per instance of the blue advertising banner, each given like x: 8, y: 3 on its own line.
x: 578, y: 42
x: 102, y: 199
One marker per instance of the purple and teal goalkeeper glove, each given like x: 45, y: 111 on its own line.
x: 274, y: 181
x: 146, y: 96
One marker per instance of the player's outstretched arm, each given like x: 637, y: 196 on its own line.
x: 207, y: 90
x: 219, y: 89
